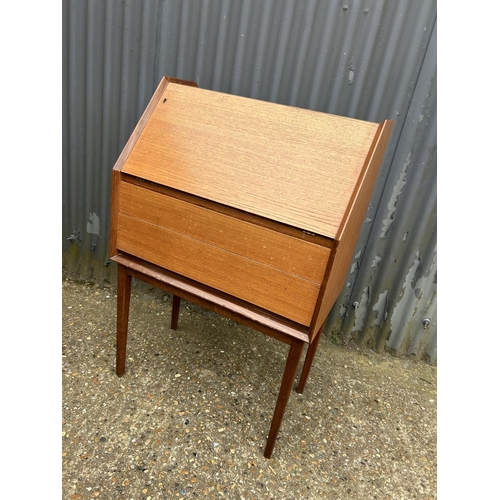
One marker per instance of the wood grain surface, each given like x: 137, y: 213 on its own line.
x: 278, y: 250
x: 249, y: 208
x: 211, y: 299
x: 351, y: 226
x: 295, y: 166
x: 282, y: 293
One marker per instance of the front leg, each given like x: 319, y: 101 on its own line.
x: 292, y: 363
x: 122, y: 313
x: 311, y: 352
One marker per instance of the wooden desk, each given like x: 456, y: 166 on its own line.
x: 248, y: 208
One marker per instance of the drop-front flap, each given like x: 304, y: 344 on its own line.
x: 295, y: 166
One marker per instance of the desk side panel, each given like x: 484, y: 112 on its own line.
x: 113, y: 216
x: 351, y: 227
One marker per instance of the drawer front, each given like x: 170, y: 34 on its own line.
x: 275, y: 271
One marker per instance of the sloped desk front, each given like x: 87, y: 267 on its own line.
x: 248, y: 208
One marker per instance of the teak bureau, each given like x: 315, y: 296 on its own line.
x: 248, y: 208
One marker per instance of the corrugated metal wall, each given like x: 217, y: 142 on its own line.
x: 367, y: 59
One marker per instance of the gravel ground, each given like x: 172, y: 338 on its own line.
x: 189, y: 419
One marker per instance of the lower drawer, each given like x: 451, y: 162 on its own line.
x: 282, y: 293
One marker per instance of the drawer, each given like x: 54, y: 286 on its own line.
x: 273, y: 270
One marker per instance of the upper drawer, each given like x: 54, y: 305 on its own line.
x: 285, y: 252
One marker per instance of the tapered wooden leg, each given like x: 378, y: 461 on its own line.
x: 286, y: 388
x: 311, y: 351
x: 175, y: 312
x: 122, y: 313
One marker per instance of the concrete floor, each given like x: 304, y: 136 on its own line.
x: 190, y: 417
